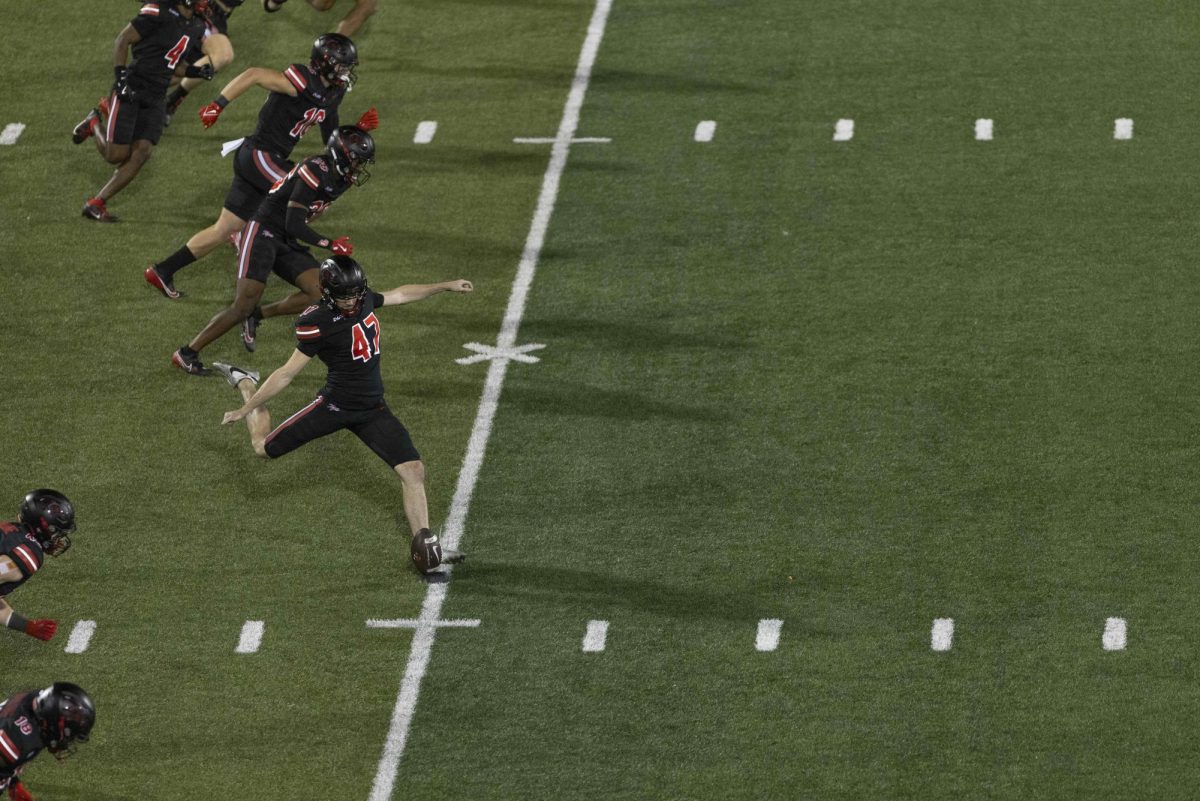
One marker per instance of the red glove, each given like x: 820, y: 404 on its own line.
x: 369, y: 121
x: 42, y: 629
x: 209, y: 114
x: 17, y: 792
x: 341, y: 246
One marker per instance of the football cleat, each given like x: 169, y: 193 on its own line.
x: 250, y: 333
x: 189, y: 364
x: 234, y: 374
x: 95, y: 209
x: 83, y: 131
x: 166, y: 287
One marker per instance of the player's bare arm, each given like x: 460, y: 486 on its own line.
x: 410, y: 293
x: 125, y: 40
x: 8, y: 572
x: 271, y: 80
x: 274, y: 384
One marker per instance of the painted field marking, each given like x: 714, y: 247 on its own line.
x: 983, y: 130
x: 412, y: 623
x: 942, y: 635
x: 251, y: 639
x: 768, y: 634
x: 843, y: 131
x: 425, y: 132
x: 486, y: 352
x: 11, y: 133
x: 1114, y: 634
x: 705, y: 130
x: 489, y: 402
x: 81, y: 637
x: 1123, y: 128
x: 549, y: 140
x: 595, y: 636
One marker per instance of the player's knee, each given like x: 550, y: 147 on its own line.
x: 116, y: 154
x: 411, y: 472
x: 142, y: 151
x: 243, y: 305
x: 260, y: 449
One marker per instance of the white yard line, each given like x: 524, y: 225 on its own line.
x: 81, y: 637
x: 705, y: 131
x: 549, y: 140
x: 941, y: 638
x: 412, y: 623
x: 425, y: 132
x: 767, y: 638
x: 1123, y: 128
x: 843, y: 131
x: 435, y: 596
x: 251, y: 639
x: 595, y: 636
x: 983, y: 130
x: 11, y: 133
x: 1114, y: 634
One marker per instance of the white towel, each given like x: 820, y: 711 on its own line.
x: 229, y: 147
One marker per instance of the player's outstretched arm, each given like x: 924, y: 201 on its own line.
x: 275, y: 383
x: 410, y: 293
x: 42, y: 629
x: 271, y: 80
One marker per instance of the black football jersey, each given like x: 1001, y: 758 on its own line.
x: 349, y: 346
x: 23, y: 549
x: 312, y: 183
x: 283, y: 120
x: 166, y: 37
x: 20, y: 736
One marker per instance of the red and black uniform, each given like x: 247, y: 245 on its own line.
x: 264, y: 157
x: 166, y: 38
x: 274, y: 239
x: 352, y: 397
x: 20, y: 736
x: 23, y: 549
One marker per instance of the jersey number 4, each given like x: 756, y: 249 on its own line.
x: 175, y: 53
x: 365, y: 345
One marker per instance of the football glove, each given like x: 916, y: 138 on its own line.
x: 17, y: 792
x: 341, y: 246
x: 209, y: 114
x: 121, y: 84
x: 369, y: 121
x: 42, y: 629
x: 204, y: 71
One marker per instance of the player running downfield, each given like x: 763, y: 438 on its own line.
x: 52, y: 719
x: 216, y: 48
x: 275, y: 240
x: 44, y: 525
x: 303, y: 96
x: 349, y: 25
x: 345, y: 333
x: 127, y: 124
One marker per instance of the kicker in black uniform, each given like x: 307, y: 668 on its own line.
x: 344, y: 332
x: 45, y: 523
x: 52, y: 719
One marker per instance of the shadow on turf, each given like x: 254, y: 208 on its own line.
x: 65, y: 793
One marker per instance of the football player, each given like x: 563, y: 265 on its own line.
x: 362, y: 10
x: 45, y: 523
x: 159, y: 37
x: 275, y: 241
x: 344, y: 332
x: 302, y: 96
x: 217, y: 50
x: 54, y: 719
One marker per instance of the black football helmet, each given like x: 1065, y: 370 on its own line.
x: 343, y: 283
x: 199, y: 7
x: 66, y: 714
x: 351, y: 149
x: 50, y: 517
x: 334, y: 58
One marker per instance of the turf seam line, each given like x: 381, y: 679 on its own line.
x: 549, y: 140
x: 423, y: 636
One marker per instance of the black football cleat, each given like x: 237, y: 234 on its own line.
x: 83, y: 131
x: 250, y: 333
x: 95, y: 209
x: 189, y: 363
x: 167, y: 288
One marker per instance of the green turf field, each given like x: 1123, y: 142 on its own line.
x: 851, y: 385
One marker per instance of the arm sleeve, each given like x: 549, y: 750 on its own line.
x: 297, y: 218
x: 329, y: 124
x: 376, y: 299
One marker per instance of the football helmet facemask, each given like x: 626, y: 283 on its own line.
x: 343, y: 284
x: 199, y: 7
x: 334, y: 58
x: 66, y: 714
x: 351, y: 149
x: 50, y: 517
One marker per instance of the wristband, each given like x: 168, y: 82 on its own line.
x: 222, y: 101
x: 17, y: 623
x: 119, y: 71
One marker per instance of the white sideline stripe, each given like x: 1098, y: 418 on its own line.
x: 768, y: 634
x: 843, y: 131
x: 549, y: 140
x: 1123, y: 128
x: 425, y: 132
x: 412, y: 623
x: 1114, y: 634
x: 422, y: 645
x: 81, y: 637
x: 983, y: 130
x: 705, y: 130
x: 11, y: 133
x: 594, y: 637
x: 942, y: 636
x: 251, y: 639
